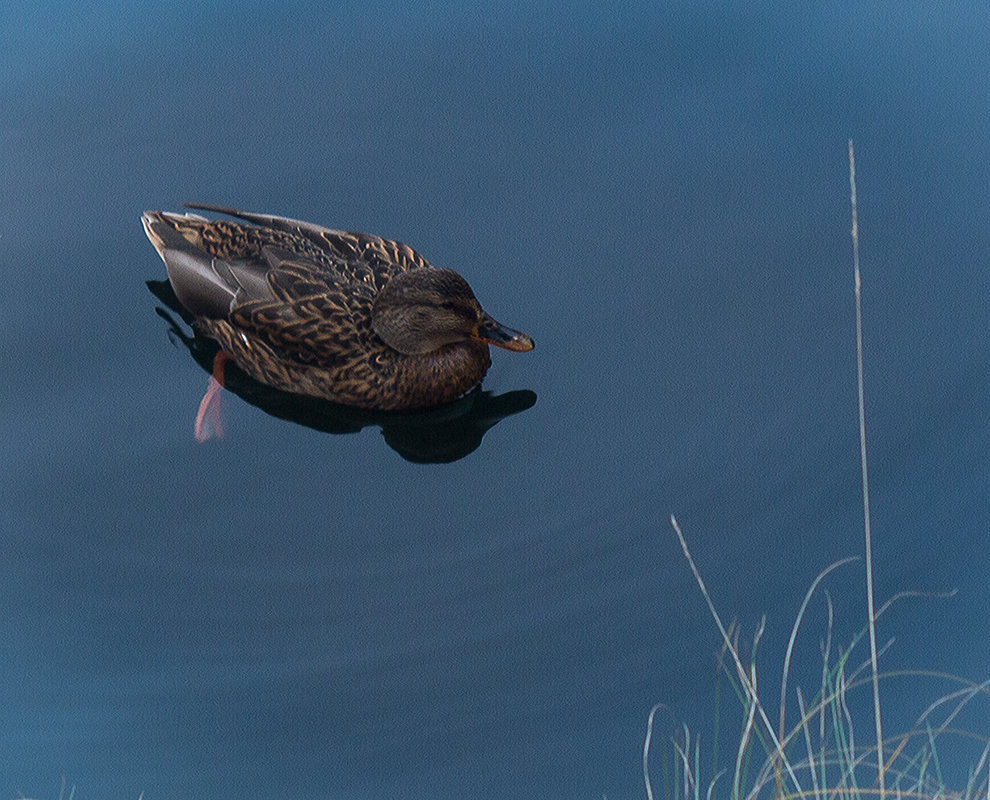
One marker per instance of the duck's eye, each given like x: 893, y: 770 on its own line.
x: 459, y: 310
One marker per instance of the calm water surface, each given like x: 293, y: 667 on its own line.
x: 659, y: 196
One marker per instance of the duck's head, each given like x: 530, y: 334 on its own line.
x: 422, y: 310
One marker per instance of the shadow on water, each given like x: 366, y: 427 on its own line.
x: 436, y: 435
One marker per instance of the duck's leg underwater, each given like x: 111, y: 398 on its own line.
x: 208, y: 422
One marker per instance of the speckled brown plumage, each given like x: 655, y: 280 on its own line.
x: 294, y: 305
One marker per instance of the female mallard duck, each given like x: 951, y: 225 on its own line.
x: 348, y: 317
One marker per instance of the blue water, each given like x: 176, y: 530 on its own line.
x: 659, y: 196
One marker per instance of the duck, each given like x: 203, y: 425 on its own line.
x: 348, y: 317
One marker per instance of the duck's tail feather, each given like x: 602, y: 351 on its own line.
x: 201, y: 282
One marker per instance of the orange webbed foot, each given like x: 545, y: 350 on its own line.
x: 208, y: 422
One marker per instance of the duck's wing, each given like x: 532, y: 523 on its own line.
x: 343, y: 247
x: 295, y: 302
x: 313, y: 315
x: 329, y: 328
x: 207, y: 285
x: 217, y: 267
x: 295, y: 226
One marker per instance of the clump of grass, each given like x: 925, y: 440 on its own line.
x: 819, y: 756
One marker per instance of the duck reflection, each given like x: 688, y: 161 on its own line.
x: 436, y: 435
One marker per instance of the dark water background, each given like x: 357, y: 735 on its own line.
x: 659, y: 195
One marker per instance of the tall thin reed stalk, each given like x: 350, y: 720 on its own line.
x: 866, y: 480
